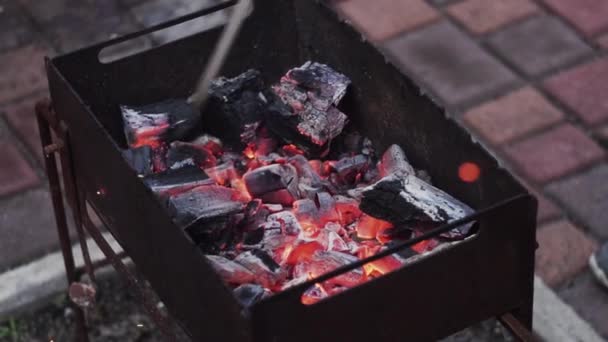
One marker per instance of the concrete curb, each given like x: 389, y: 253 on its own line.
x: 33, y: 285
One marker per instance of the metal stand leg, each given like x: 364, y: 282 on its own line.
x: 49, y: 147
x: 77, y: 201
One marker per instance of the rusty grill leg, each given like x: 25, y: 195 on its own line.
x: 42, y: 111
x: 47, y: 121
x: 517, y: 328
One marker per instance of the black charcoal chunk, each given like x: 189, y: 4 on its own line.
x: 233, y: 103
x: 204, y: 203
x: 349, y: 167
x: 249, y: 294
x: 182, y: 154
x: 140, y: 159
x: 393, y: 161
x: 268, y: 272
x: 403, y: 199
x: 165, y: 121
x: 174, y: 181
x: 230, y: 271
x: 326, y: 83
x: 273, y: 179
x: 143, y: 127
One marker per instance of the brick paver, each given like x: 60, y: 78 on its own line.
x: 553, y: 154
x: 450, y: 63
x: 14, y: 28
x: 602, y: 41
x: 15, y: 173
x: 547, y: 210
x: 583, y: 89
x: 22, y: 72
x: 563, y: 252
x: 483, y: 16
x: 28, y: 228
x: 589, y: 16
x: 589, y: 299
x: 586, y: 196
x: 397, y: 16
x: 523, y: 46
x: 512, y: 115
x: 20, y: 116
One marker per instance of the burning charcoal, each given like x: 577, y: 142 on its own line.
x: 381, y: 266
x: 249, y: 294
x: 181, y: 154
x: 272, y: 179
x: 327, y: 208
x: 210, y: 142
x: 289, y: 223
x: 323, y: 262
x: 143, y: 128
x: 140, y: 159
x: 230, y: 271
x: 394, y: 160
x: 162, y: 121
x: 331, y: 241
x: 253, y: 237
x: 233, y: 103
x: 267, y: 272
x: 210, y: 215
x: 347, y: 208
x: 258, y: 140
x: 273, y: 208
x: 326, y: 83
x: 369, y: 227
x: 305, y: 210
x: 309, y: 182
x: 302, y: 107
x: 404, y: 198
x: 223, y: 173
x: 301, y: 251
x: 314, y: 294
x: 172, y: 182
x: 404, y: 253
x: 273, y: 239
x: 351, y: 168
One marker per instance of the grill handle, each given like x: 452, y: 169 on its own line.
x: 97, y: 48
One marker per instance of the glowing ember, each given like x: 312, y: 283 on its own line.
x: 469, y: 172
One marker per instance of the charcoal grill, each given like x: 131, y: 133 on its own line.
x: 489, y: 275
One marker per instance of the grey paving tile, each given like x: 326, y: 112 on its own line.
x: 586, y: 196
x: 539, y: 44
x: 454, y: 67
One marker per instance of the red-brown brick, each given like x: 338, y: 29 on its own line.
x: 383, y: 19
x: 589, y: 16
x: 21, y: 72
x: 483, y: 16
x: 563, y: 252
x: 583, y: 89
x: 512, y: 115
x: 553, y: 154
x: 15, y: 173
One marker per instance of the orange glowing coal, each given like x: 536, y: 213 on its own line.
x: 150, y: 136
x: 369, y: 227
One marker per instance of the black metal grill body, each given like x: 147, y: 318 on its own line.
x: 485, y: 276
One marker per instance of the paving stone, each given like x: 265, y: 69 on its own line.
x: 582, y: 88
x: 539, y: 44
x: 512, y: 115
x: 154, y: 12
x: 553, y: 154
x: 28, y: 228
x: 589, y: 16
x: 383, y: 19
x: 602, y: 135
x: 15, y: 173
x: 74, y: 24
x: 602, y: 41
x: 547, y: 210
x: 483, y: 16
x: 21, y: 117
x: 563, y: 252
x: 450, y: 63
x: 586, y: 197
x: 14, y: 28
x: 589, y: 300
x: 22, y: 72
